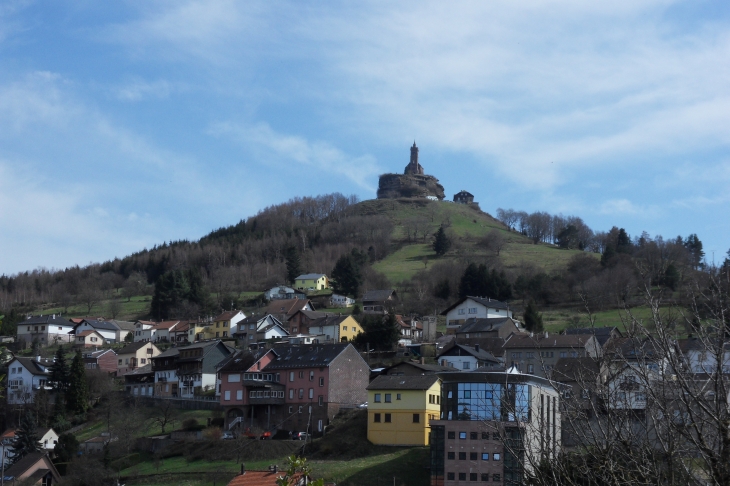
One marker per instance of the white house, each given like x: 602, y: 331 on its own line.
x: 163, y: 331
x: 474, y: 307
x: 108, y: 330
x: 48, y: 330
x: 282, y: 292
x: 338, y: 300
x: 47, y: 437
x: 700, y: 356
x: 468, y: 358
x: 144, y: 331
x: 25, y: 377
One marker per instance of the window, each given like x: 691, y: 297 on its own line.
x: 291, y: 393
x: 376, y: 418
x: 462, y: 456
x: 291, y: 409
x: 387, y: 418
x: 530, y: 355
x: 472, y: 476
x: 462, y: 476
x: 451, y: 455
x: 301, y: 393
x: 227, y: 395
x: 485, y: 477
x: 450, y: 476
x: 485, y: 435
x: 485, y: 456
x: 472, y: 456
x: 516, y: 355
x: 387, y: 398
x: 301, y: 374
x: 462, y: 312
x: 472, y: 310
x: 496, y: 477
x: 416, y: 418
x: 397, y: 396
x: 252, y: 394
x: 311, y: 376
x: 640, y: 397
x: 321, y: 381
x: 320, y: 400
x: 452, y: 435
x: 496, y: 456
x: 462, y: 435
x: 465, y: 365
x: 495, y: 435
x: 120, y: 361
x: 574, y: 354
x: 225, y: 333
x: 300, y: 409
x: 311, y: 393
x: 563, y: 354
x: 473, y: 435
x: 377, y: 398
x: 239, y: 394
x: 530, y: 368
x: 291, y: 376
x: 344, y: 328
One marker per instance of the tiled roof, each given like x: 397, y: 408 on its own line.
x: 33, y: 366
x: 551, y: 341
x: 227, y: 316
x: 602, y: 334
x: 144, y: 370
x: 311, y: 276
x: 485, y: 301
x: 286, y: 306
x: 124, y: 325
x: 134, y: 347
x: 461, y: 350
x: 484, y: 325
x: 23, y: 464
x: 306, y: 355
x: 166, y: 324
x: 240, y: 361
x: 50, y: 319
x: 427, y: 368
x: 377, y: 295
x: 256, y: 478
x: 402, y: 382
x: 105, y: 325
x: 86, y: 333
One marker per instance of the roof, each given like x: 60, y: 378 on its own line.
x: 144, y: 370
x: 485, y: 324
x: 86, y: 333
x: 168, y: 353
x: 306, y: 356
x: 697, y: 344
x: 166, y: 324
x: 328, y: 320
x: 49, y: 319
x: 485, y: 301
x: 634, y: 348
x: 240, y: 361
x: 286, y: 306
x: 97, y: 353
x: 575, y: 369
x: 227, y: 316
x: 24, y: 463
x: 378, y: 295
x: 464, y: 193
x: 462, y: 350
x: 105, y: 325
x: 427, y: 368
x: 539, y: 340
x: 134, y: 347
x: 602, y: 334
x: 33, y: 366
x: 403, y: 382
x: 311, y: 276
x: 124, y: 325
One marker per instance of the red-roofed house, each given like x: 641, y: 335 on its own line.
x: 89, y: 339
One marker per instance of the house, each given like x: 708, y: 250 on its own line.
x: 479, y: 413
x: 581, y: 380
x: 196, y: 366
x: 400, y: 409
x: 164, y: 367
x: 143, y: 331
x: 25, y: 377
x: 34, y: 469
x: 317, y: 380
x: 197, y: 330
x: 344, y: 301
x: 103, y: 359
x: 473, y: 307
x: 47, y: 437
x: 410, y: 330
x: 312, y: 281
x: 463, y: 197
x: 464, y: 357
x: 488, y: 327
x: 333, y: 329
x: 106, y: 329
x: 284, y: 309
x: 603, y: 334
x: 700, y: 356
x: 254, y: 329
x: 163, y: 331
x: 95, y: 445
x: 224, y: 325
x: 283, y: 292
x: 181, y: 333
x: 47, y: 330
x: 89, y: 339
x: 538, y: 353
x: 124, y: 328
x: 409, y: 368
x: 300, y: 320
x: 140, y: 381
x: 135, y: 355
x: 379, y: 301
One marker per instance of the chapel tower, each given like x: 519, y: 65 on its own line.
x: 413, y: 166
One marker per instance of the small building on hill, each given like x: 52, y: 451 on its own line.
x: 463, y: 197
x: 312, y: 281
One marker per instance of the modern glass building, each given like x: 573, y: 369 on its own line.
x: 493, y: 427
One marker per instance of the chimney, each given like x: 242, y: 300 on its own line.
x: 546, y: 334
x: 423, y: 360
x: 243, y: 469
x: 476, y: 347
x: 38, y: 358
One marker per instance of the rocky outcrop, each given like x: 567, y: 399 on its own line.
x: 393, y: 186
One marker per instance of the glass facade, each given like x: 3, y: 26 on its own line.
x: 487, y: 401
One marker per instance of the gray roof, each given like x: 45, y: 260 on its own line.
x: 33, y: 366
x: 461, y: 350
x: 124, y: 325
x: 403, y: 382
x: 310, y: 276
x: 378, y: 295
x: 306, y: 356
x: 602, y: 334
x: 426, y: 368
x: 485, y: 301
x: 105, y: 325
x: 484, y: 325
x: 134, y: 347
x: 144, y: 370
x: 50, y: 319
x: 539, y: 340
x: 575, y: 369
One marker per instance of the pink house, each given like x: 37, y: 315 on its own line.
x: 291, y: 387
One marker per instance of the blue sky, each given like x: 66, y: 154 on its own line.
x: 126, y: 124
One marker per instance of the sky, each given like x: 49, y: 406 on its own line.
x: 127, y: 124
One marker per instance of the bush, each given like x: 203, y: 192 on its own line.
x: 190, y: 424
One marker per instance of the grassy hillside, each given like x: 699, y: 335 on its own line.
x: 466, y: 226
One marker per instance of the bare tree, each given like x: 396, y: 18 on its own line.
x: 493, y: 241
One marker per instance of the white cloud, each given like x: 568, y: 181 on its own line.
x: 624, y: 207
x: 317, y: 154
x: 139, y: 89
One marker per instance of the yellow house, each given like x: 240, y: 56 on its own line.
x: 314, y: 281
x: 401, y: 407
x: 224, y: 325
x: 334, y: 328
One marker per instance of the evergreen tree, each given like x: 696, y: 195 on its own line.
x: 65, y: 451
x: 293, y: 264
x: 441, y: 242
x: 77, y: 396
x: 381, y: 332
x: 477, y: 281
x: 26, y: 438
x: 58, y: 378
x: 694, y: 247
x: 533, y: 319
x: 347, y: 275
x: 442, y: 290
x: 177, y: 287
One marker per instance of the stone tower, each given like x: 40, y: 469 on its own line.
x: 413, y: 166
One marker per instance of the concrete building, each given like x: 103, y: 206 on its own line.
x: 47, y: 330
x: 474, y: 308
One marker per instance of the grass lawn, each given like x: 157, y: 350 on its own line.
x: 557, y: 320
x: 138, y: 306
x: 148, y: 427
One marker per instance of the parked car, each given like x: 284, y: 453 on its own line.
x: 228, y: 435
x: 363, y: 405
x: 301, y: 436
x: 263, y: 436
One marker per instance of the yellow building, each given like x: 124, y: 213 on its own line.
x: 312, y: 281
x: 401, y: 407
x: 335, y: 328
